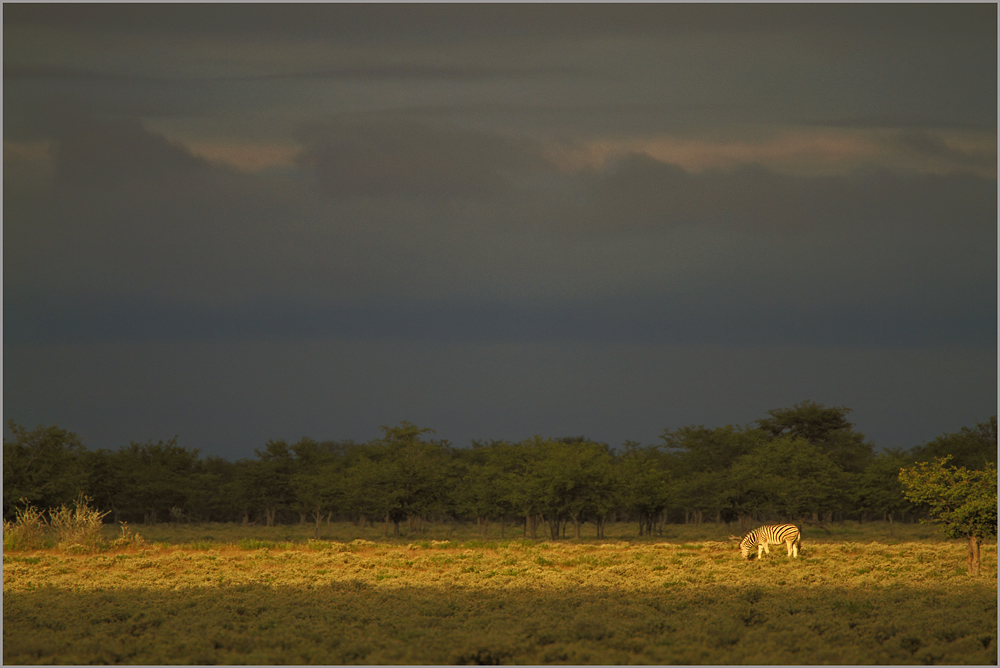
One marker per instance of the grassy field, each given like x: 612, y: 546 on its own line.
x: 229, y: 594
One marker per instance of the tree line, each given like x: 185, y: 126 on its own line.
x: 804, y: 463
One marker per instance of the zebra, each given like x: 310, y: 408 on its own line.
x: 772, y: 534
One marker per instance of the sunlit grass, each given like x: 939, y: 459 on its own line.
x: 454, y: 535
x: 230, y: 594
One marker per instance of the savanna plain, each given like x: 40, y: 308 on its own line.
x: 228, y: 594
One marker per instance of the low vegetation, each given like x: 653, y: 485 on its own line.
x: 219, y: 593
x: 545, y: 551
x: 78, y: 528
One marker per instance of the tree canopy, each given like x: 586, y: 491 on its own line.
x: 964, y: 502
x: 805, y: 462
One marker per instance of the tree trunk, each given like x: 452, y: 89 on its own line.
x: 890, y: 525
x: 974, y: 545
x: 319, y: 518
x: 554, y: 528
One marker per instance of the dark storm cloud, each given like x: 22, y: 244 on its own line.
x: 639, y: 191
x: 92, y: 149
x: 14, y: 72
x: 228, y: 399
x: 643, y: 192
x: 933, y: 147
x: 237, y: 222
x: 905, y: 121
x: 399, y: 158
x: 145, y: 241
x: 128, y: 212
x: 388, y: 21
x: 665, y: 319
x: 782, y: 63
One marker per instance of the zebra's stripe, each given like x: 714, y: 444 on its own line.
x: 771, y: 534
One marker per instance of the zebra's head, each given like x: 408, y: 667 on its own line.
x: 747, y: 545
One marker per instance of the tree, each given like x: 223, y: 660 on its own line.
x: 108, y: 485
x: 589, y: 493
x: 158, y: 477
x: 972, y: 447
x: 368, y: 487
x: 317, y: 483
x: 573, y: 481
x: 523, y: 464
x: 827, y: 428
x: 878, y: 489
x: 702, y: 458
x: 270, y: 476
x: 505, y: 462
x: 485, y: 492
x: 964, y: 502
x: 45, y: 466
x: 214, y: 495
x: 643, y: 483
x: 788, y: 477
x: 418, y: 467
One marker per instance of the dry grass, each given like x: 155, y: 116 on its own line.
x: 270, y: 598
x: 27, y: 531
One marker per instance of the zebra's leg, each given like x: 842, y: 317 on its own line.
x: 760, y: 550
x: 795, y: 548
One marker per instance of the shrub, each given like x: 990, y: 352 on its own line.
x: 27, y: 531
x: 78, y: 528
x: 126, y: 538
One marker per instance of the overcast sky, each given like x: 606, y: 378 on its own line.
x: 234, y: 223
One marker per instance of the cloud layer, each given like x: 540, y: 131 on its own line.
x: 384, y: 216
x: 483, y: 178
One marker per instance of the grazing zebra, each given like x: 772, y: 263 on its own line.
x: 771, y: 534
